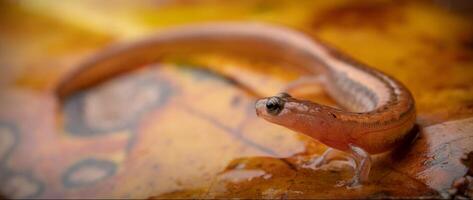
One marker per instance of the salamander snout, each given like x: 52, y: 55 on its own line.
x: 261, y: 106
x: 278, y: 109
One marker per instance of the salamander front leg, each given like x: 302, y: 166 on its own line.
x: 329, y: 155
x: 362, y: 169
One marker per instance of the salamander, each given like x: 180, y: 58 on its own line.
x: 378, y: 111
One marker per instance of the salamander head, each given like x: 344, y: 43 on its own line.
x: 301, y: 116
x: 281, y: 109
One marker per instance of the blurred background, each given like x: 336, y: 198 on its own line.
x: 181, y: 128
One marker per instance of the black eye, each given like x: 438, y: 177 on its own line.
x: 274, y: 105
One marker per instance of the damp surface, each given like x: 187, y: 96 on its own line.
x: 185, y: 127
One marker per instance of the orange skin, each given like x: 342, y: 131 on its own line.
x: 379, y: 110
x: 338, y: 128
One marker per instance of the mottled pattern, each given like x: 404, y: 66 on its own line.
x: 90, y: 112
x: 87, y: 172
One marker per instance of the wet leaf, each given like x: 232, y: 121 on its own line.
x: 186, y: 128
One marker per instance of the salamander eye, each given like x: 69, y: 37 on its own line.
x: 274, y: 105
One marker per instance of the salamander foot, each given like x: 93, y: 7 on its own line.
x: 362, y: 168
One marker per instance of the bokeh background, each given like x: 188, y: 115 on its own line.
x: 180, y: 128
